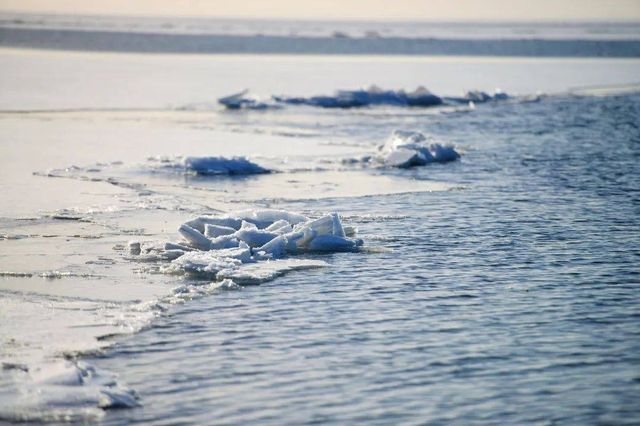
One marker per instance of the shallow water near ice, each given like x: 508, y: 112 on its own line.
x: 498, y: 288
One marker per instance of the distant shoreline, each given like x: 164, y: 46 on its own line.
x: 137, y: 42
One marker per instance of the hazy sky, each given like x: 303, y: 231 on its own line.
x: 347, y: 9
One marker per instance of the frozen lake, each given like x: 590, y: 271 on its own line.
x: 498, y: 288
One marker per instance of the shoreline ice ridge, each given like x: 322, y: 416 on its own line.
x: 344, y: 99
x: 251, y: 246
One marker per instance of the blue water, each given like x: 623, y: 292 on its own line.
x: 511, y: 299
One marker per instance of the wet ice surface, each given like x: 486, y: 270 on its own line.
x: 500, y: 287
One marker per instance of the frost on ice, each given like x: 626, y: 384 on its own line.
x: 252, y: 246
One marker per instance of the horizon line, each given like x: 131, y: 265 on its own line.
x: 309, y: 19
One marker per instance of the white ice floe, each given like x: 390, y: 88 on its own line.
x: 249, y: 246
x: 407, y: 149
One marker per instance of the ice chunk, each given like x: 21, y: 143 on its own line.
x: 253, y: 236
x: 338, y: 230
x: 279, y: 227
x: 350, y: 230
x: 277, y: 247
x: 256, y: 237
x: 213, y: 231
x: 172, y: 254
x: 408, y: 149
x: 222, y: 166
x: 499, y: 95
x: 326, y: 225
x: 478, y: 97
x: 61, y: 391
x: 291, y: 240
x: 174, y: 246
x: 421, y: 97
x: 263, y: 218
x: 331, y: 243
x: 243, y: 100
x: 206, y: 165
x: 194, y: 237
x: 405, y: 158
x: 443, y: 153
x: 224, y: 242
x: 322, y: 226
x: 226, y: 221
